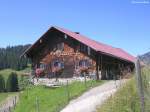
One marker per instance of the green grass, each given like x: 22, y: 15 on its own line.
x: 6, y: 72
x: 3, y: 96
x: 125, y: 100
x: 146, y: 85
x: 51, y: 100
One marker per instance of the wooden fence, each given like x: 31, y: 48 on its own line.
x: 9, y: 104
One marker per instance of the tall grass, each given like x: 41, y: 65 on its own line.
x: 146, y: 86
x: 125, y: 100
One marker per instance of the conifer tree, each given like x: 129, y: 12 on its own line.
x: 10, y: 57
x: 12, y: 83
x: 2, y: 84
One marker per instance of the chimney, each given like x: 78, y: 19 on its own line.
x: 77, y: 32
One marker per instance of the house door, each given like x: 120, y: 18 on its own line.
x: 68, y: 67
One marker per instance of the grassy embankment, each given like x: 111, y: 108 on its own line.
x: 127, y: 99
x: 6, y: 72
x: 3, y: 96
x: 51, y: 100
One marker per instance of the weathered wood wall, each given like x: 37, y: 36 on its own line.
x: 71, y: 55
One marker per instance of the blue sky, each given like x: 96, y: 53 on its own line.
x: 120, y: 23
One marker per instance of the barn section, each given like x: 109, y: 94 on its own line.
x: 63, y: 53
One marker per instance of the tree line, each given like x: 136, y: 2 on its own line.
x: 10, y: 57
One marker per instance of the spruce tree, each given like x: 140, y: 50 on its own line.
x: 2, y: 84
x: 12, y: 83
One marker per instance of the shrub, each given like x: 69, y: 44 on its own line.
x: 12, y: 83
x: 2, y: 84
x: 23, y: 82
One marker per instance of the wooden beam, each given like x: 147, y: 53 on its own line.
x: 97, y: 67
x: 103, y: 74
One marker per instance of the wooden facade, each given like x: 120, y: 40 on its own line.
x: 58, y: 54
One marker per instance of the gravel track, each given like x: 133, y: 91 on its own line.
x: 94, y: 97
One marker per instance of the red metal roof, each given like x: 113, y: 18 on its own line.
x: 97, y: 46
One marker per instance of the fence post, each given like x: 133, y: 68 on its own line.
x: 15, y: 100
x: 139, y: 84
x: 92, y: 83
x: 9, y: 109
x: 85, y: 79
x: 68, y: 94
x: 37, y: 104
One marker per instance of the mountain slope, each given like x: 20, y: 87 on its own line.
x: 145, y: 58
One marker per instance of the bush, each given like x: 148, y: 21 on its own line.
x: 2, y: 84
x: 23, y: 82
x: 12, y: 83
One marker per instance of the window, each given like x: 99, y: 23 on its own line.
x: 60, y: 46
x: 65, y: 36
x: 89, y: 50
x: 83, y: 48
x: 84, y: 63
x: 56, y: 64
x: 59, y: 64
x: 42, y: 66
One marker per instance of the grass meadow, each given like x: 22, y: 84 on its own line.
x: 42, y: 99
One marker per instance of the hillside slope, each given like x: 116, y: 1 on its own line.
x: 145, y: 58
x: 10, y: 57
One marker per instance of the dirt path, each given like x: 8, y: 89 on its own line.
x: 94, y: 97
x: 9, y: 103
